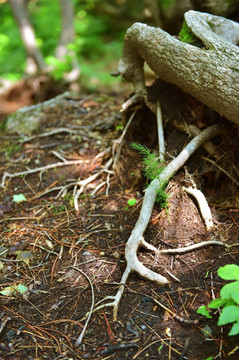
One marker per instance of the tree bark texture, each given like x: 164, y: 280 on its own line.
x: 19, y: 10
x: 210, y: 72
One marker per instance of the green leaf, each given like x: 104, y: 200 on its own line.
x: 21, y: 288
x: 204, y: 311
x: 19, y: 198
x: 235, y: 329
x: 231, y: 291
x: 131, y: 202
x: 229, y: 272
x: 229, y: 314
x: 8, y: 291
x: 216, y: 303
x: 11, y: 290
x: 1, y: 265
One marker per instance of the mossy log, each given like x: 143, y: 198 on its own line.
x: 209, y: 71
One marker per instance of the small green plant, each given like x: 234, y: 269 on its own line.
x: 119, y: 127
x: 152, y: 170
x: 186, y: 35
x: 203, y: 310
x: 57, y: 209
x: 131, y: 202
x: 228, y: 300
x: 12, y: 149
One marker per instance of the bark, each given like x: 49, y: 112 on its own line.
x: 27, y: 33
x: 209, y: 73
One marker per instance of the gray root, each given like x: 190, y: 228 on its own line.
x: 209, y: 73
x: 193, y: 130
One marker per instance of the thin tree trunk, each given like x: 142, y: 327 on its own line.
x: 27, y: 33
x: 67, y: 37
x: 67, y: 29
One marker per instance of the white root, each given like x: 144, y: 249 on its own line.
x: 80, y: 338
x: 160, y: 133
x: 203, y: 205
x: 193, y: 247
x: 40, y: 169
x: 85, y: 182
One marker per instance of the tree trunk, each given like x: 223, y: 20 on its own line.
x: 67, y: 29
x: 19, y: 10
x: 209, y: 73
x: 67, y: 37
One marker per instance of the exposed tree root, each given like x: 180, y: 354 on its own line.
x: 203, y: 205
x: 160, y: 133
x: 193, y: 130
x: 136, y: 238
x: 41, y: 169
x: 223, y: 170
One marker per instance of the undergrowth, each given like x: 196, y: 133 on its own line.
x: 228, y: 300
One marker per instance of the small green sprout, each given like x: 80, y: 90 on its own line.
x: 119, y: 127
x: 131, y: 202
x: 203, y: 310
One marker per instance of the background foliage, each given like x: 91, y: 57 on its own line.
x: 97, y: 42
x: 100, y: 26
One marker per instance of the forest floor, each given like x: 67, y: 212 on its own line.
x: 44, y: 240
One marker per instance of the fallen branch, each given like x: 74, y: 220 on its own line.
x: 136, y: 238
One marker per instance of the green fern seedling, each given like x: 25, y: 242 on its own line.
x: 152, y: 170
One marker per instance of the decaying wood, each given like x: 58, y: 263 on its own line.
x: 209, y: 72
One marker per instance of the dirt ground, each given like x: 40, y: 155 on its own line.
x: 46, y: 245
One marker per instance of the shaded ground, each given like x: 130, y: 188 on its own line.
x: 44, y: 241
